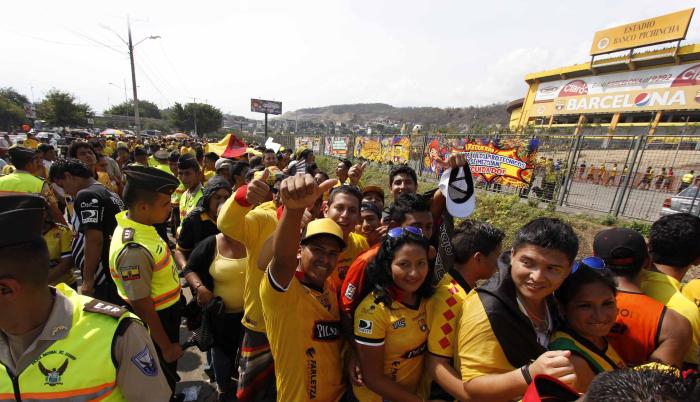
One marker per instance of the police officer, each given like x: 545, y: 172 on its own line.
x: 54, y: 343
x: 141, y: 264
x: 24, y: 180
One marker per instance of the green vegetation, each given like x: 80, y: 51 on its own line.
x: 508, y: 212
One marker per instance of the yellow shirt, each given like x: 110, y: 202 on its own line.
x: 444, y: 311
x: 105, y: 180
x: 479, y: 351
x: 667, y: 290
x: 691, y: 290
x: 303, y: 326
x: 58, y: 240
x: 356, y: 245
x: 208, y: 174
x: 404, y: 333
x: 177, y: 195
x: 251, y: 227
x: 229, y: 278
x: 189, y: 201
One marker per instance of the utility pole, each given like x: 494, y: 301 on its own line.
x: 137, y: 120
x: 194, y: 109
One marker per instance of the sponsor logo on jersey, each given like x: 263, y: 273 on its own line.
x: 365, y: 326
x: 416, y: 352
x: 311, y: 372
x: 89, y: 216
x: 400, y: 323
x: 326, y: 330
x: 350, y: 292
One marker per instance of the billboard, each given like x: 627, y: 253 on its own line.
x: 508, y: 162
x: 395, y: 149
x: 336, y: 146
x: 674, y: 87
x: 665, y: 28
x: 265, y: 106
x: 312, y: 143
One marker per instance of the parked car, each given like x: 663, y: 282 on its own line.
x: 682, y: 202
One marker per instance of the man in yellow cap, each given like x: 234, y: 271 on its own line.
x: 56, y: 344
x: 141, y: 264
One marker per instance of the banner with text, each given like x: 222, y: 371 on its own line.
x: 313, y: 143
x: 507, y: 162
x: 337, y: 146
x: 664, y: 88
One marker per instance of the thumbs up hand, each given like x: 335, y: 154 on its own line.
x: 355, y: 172
x: 301, y: 191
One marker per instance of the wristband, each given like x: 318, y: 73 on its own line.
x: 525, y: 370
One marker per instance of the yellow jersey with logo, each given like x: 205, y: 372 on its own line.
x: 58, y: 240
x: 403, y: 331
x: 691, y: 290
x: 303, y: 326
x: 356, y: 245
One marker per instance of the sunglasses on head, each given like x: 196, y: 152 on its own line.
x: 590, y: 262
x: 396, y: 232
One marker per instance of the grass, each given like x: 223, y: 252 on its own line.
x: 507, y: 212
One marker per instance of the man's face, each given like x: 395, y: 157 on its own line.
x: 50, y: 155
x: 217, y: 199
x: 341, y: 170
x: 375, y: 198
x: 102, y: 164
x: 269, y: 159
x: 318, y: 258
x: 189, y: 177
x: 173, y: 167
x: 122, y: 154
x: 537, y: 271
x: 487, y: 263
x: 420, y: 220
x: 68, y: 183
x: 370, y: 221
x: 209, y: 164
x: 345, y: 211
x: 403, y: 183
x: 159, y: 210
x: 86, y: 156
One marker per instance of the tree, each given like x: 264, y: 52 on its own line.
x: 61, y: 109
x: 11, y: 108
x: 146, y: 109
x: 209, y: 118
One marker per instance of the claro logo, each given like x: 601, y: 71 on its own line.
x: 574, y: 88
x: 689, y: 77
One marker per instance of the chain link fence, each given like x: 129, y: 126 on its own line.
x: 627, y: 173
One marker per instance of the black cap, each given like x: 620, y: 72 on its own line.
x: 151, y: 179
x: 25, y: 215
x: 187, y: 161
x: 140, y: 151
x: 368, y: 206
x: 21, y: 155
x: 620, y: 248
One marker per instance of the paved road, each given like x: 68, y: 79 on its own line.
x: 640, y: 204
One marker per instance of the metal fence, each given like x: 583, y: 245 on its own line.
x: 627, y: 173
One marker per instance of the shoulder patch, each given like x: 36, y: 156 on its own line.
x: 145, y: 362
x: 100, y: 307
x: 128, y: 235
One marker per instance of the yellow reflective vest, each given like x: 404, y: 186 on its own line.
x: 78, y: 367
x: 165, y: 285
x: 21, y: 182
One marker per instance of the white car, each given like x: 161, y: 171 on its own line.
x: 682, y: 202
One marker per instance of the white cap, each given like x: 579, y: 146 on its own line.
x: 458, y: 188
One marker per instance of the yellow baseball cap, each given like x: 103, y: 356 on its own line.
x: 323, y: 226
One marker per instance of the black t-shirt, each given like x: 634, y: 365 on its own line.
x: 196, y: 227
x: 95, y: 208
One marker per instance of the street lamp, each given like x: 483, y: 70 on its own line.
x: 137, y: 120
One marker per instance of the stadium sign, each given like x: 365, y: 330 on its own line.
x: 663, y: 88
x: 665, y: 28
x: 265, y: 106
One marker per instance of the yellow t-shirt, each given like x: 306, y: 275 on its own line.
x: 177, y: 195
x: 691, y: 290
x: 251, y: 227
x: 104, y: 179
x: 479, y: 351
x: 356, y: 245
x: 444, y: 311
x: 208, y: 174
x: 303, y: 326
x: 58, y: 241
x: 229, y: 279
x: 404, y: 333
x: 667, y: 290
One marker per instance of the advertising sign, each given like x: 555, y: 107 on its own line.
x: 383, y: 149
x: 312, y: 143
x: 265, y: 106
x: 337, y: 146
x: 666, y: 28
x: 506, y: 162
x: 663, y: 88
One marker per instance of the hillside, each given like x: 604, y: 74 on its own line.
x: 361, y: 113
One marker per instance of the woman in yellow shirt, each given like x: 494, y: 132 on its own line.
x: 390, y: 329
x: 216, y: 268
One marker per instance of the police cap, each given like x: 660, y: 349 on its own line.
x: 25, y: 215
x: 151, y: 179
x: 21, y: 155
x: 187, y: 161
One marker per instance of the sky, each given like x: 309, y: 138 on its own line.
x: 305, y: 53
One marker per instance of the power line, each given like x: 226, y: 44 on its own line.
x: 52, y: 41
x: 95, y: 41
x: 172, y: 67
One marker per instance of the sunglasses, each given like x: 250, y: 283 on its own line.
x: 590, y: 262
x: 396, y: 232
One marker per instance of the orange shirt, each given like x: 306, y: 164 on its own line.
x: 352, y: 284
x: 635, y: 334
